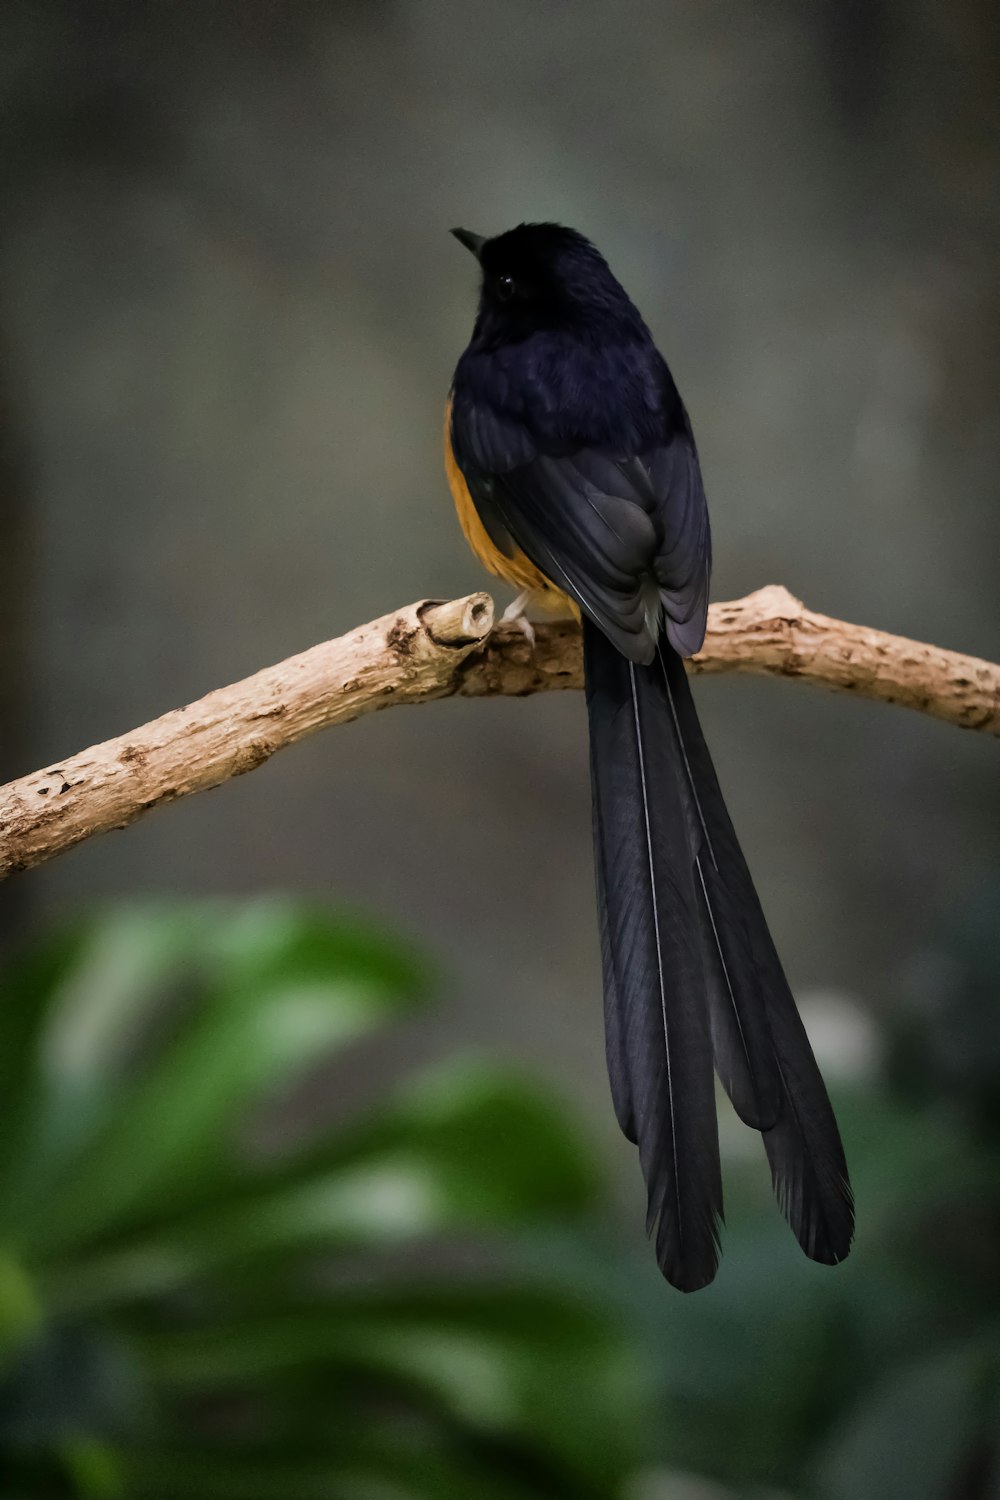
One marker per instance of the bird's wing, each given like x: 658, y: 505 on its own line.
x: 621, y: 536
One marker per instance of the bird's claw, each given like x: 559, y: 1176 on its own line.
x: 514, y: 615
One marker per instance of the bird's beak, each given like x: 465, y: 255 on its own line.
x: 473, y: 242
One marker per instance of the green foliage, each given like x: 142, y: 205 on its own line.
x: 203, y: 1296
x: 187, y: 1311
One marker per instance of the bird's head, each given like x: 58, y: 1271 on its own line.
x: 545, y: 276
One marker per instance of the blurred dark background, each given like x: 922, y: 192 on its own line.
x: 229, y: 311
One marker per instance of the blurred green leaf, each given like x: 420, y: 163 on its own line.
x: 96, y: 1469
x: 172, y: 1317
x: 61, y: 1005
x: 269, y: 989
x: 21, y: 1308
x: 469, y: 1146
x: 392, y: 1462
x: 507, y: 1360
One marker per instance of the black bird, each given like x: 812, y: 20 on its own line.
x: 575, y: 474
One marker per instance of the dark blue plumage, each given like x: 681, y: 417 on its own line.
x: 579, y: 457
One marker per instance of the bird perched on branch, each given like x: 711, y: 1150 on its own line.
x: 574, y: 470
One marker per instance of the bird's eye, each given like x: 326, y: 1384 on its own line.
x: 505, y: 288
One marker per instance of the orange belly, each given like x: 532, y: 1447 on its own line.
x: 518, y: 570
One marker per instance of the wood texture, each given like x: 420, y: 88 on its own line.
x: 436, y: 650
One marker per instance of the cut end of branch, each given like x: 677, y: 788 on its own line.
x: 458, y: 622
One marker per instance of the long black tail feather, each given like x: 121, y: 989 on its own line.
x: 614, y: 1029
x: 803, y: 1145
x: 657, y: 1026
x: 691, y: 976
x: 741, y: 1036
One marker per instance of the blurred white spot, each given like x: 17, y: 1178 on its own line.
x: 845, y: 1039
x: 848, y: 1048
x: 387, y: 1201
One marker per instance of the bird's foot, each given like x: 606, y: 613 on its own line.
x: 514, y: 615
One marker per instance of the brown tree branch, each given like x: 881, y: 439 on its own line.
x: 433, y: 650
